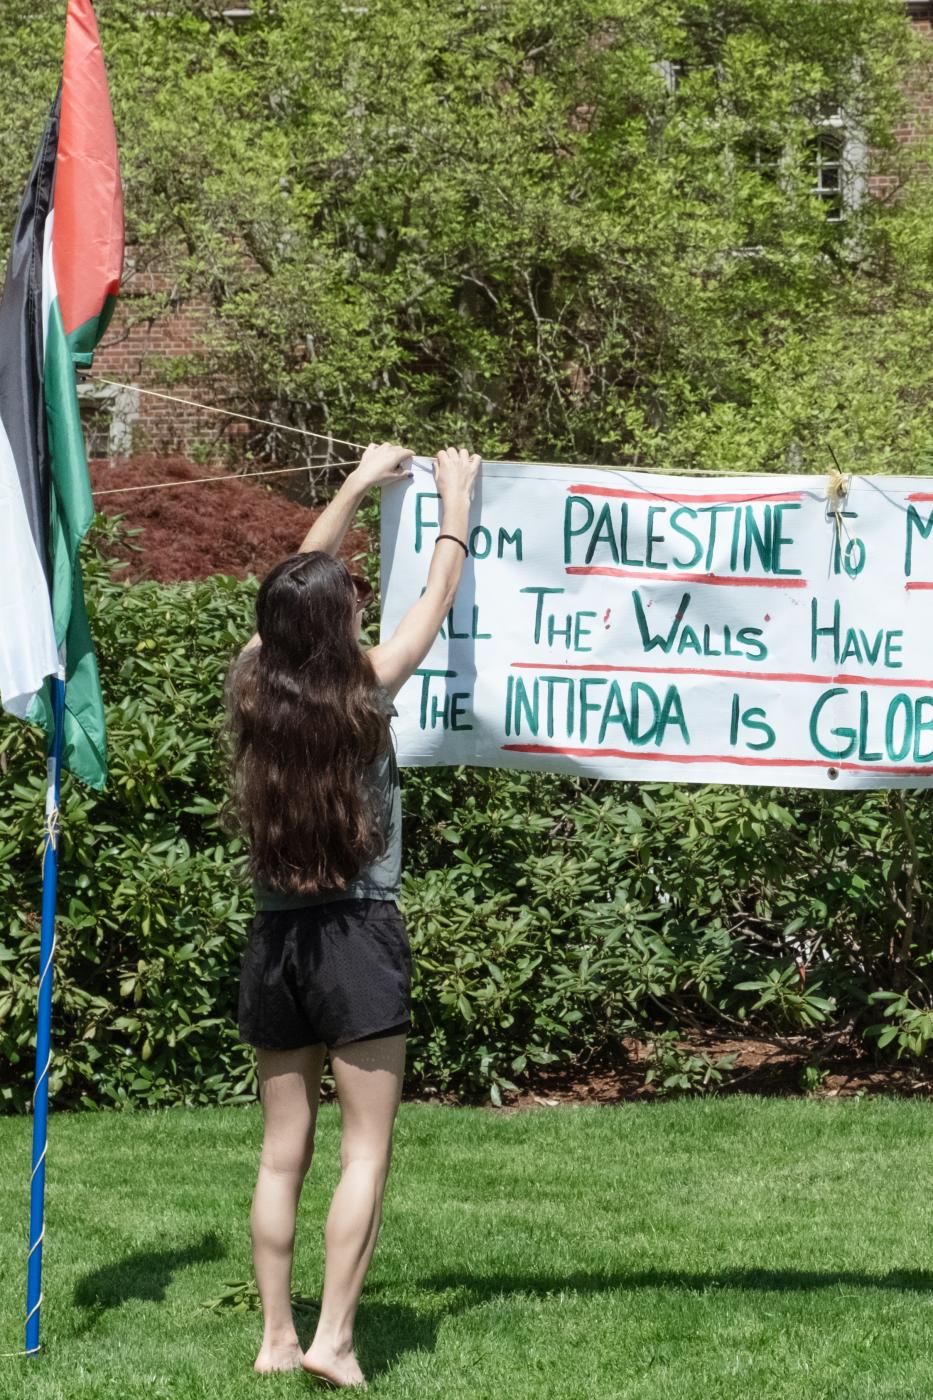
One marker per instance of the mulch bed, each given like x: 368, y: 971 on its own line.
x: 227, y: 525
x: 769, y: 1067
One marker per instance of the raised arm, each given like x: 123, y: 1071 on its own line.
x: 379, y: 463
x: 397, y: 658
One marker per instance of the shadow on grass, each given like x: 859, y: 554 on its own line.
x: 389, y: 1331
x: 144, y: 1275
x: 478, y: 1289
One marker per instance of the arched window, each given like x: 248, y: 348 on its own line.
x: 828, y: 149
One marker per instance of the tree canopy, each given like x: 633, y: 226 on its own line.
x: 556, y: 229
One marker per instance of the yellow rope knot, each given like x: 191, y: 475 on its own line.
x: 837, y: 491
x: 51, y: 828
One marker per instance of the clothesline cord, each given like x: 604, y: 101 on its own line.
x: 307, y: 432
x: 344, y: 442
x: 228, y: 412
x: 221, y: 476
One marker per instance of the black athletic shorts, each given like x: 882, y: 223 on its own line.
x: 331, y: 972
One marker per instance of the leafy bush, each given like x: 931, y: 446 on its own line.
x: 675, y: 1070
x: 550, y: 917
x: 149, y: 911
x: 909, y: 1027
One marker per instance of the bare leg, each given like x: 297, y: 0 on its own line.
x: 289, y: 1087
x: 369, y: 1075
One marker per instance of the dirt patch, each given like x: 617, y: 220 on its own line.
x: 785, y: 1066
x: 770, y: 1067
x: 227, y: 525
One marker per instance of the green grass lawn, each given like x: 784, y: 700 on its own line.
x: 742, y: 1249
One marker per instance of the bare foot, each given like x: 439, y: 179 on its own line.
x: 278, y: 1356
x: 341, y: 1369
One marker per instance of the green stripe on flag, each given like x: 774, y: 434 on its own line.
x: 85, y: 339
x: 72, y: 510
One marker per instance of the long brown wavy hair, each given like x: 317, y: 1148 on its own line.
x: 304, y: 720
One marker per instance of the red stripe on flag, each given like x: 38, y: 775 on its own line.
x: 88, y: 234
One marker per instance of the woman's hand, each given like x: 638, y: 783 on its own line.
x: 377, y: 464
x: 382, y: 462
x: 457, y: 471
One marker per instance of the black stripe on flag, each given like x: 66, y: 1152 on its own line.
x: 22, y: 401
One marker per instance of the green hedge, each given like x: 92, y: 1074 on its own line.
x: 549, y: 916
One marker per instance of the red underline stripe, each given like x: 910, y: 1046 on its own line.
x: 841, y: 679
x: 742, y: 760
x: 916, y: 583
x: 727, y: 497
x: 920, y: 496
x: 660, y: 577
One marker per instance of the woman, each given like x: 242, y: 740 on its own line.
x: 327, y: 966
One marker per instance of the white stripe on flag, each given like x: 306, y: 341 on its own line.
x: 49, y: 287
x: 27, y: 637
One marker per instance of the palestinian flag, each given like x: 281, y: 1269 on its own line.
x: 63, y: 276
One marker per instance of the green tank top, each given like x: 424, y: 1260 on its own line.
x: 382, y: 878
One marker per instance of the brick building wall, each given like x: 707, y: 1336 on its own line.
x: 920, y: 122
x: 121, y: 421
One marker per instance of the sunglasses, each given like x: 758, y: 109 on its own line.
x: 364, y: 592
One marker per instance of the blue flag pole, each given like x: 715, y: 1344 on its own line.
x: 40, y: 1098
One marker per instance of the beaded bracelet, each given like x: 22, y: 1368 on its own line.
x: 456, y: 541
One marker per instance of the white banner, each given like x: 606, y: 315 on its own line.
x: 669, y: 628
